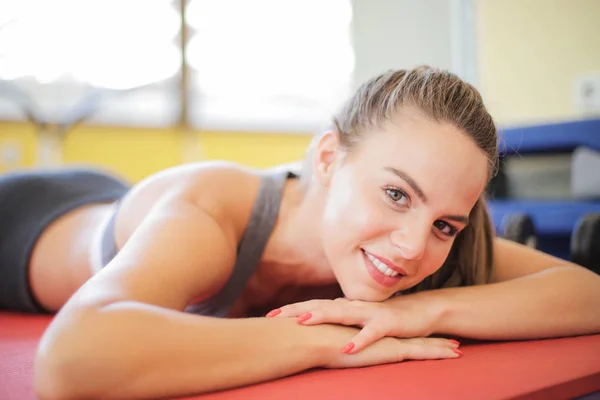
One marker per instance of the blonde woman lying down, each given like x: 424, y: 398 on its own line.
x: 209, y: 276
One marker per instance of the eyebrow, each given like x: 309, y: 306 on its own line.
x: 417, y: 189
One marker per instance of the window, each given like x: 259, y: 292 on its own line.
x: 268, y: 64
x: 261, y: 64
x: 119, y: 57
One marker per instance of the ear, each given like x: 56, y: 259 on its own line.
x: 327, y: 154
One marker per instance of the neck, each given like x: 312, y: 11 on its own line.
x: 294, y: 257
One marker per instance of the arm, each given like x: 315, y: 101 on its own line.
x: 124, y: 328
x: 532, y: 295
x: 132, y: 350
x: 124, y: 335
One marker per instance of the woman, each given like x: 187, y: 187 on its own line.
x: 386, y: 227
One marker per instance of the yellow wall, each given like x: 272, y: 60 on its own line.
x: 137, y: 153
x: 133, y: 152
x: 530, y: 53
x: 254, y: 149
x: 19, y: 136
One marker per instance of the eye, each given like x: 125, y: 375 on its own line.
x: 397, y: 196
x: 445, y: 228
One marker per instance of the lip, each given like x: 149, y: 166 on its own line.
x: 388, y: 263
x: 377, y: 275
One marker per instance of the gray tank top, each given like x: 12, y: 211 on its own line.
x: 250, y: 249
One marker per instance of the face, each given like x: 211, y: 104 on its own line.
x: 395, y: 203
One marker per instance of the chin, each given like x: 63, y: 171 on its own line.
x: 364, y: 293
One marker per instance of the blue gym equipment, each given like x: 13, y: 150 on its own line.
x: 559, y: 169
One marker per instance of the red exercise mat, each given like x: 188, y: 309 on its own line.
x: 540, y: 369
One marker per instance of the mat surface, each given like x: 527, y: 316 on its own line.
x: 541, y: 369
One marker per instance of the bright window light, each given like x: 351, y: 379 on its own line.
x: 268, y: 62
x: 58, y: 53
x: 116, y: 44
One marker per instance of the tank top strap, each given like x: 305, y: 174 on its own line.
x: 254, y: 240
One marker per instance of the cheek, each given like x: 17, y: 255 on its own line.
x: 350, y: 217
x: 434, y: 258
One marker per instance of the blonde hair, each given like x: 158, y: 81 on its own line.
x: 442, y: 97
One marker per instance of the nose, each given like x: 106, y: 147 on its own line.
x: 411, y: 239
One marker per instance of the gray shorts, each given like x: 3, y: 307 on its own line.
x: 29, y: 202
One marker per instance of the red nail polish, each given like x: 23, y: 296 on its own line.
x: 304, y: 317
x: 457, y: 351
x: 348, y: 348
x: 273, y: 313
x: 456, y: 342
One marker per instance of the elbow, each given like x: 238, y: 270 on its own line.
x: 51, y: 380
x: 61, y: 374
x: 54, y: 378
x: 65, y: 367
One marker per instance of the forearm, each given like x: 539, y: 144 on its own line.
x: 563, y: 301
x: 132, y: 350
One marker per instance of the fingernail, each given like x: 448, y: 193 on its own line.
x: 304, y: 317
x: 456, y: 342
x: 273, y: 313
x: 457, y: 351
x: 348, y: 348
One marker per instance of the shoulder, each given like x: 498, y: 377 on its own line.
x: 224, y: 190
x: 227, y: 192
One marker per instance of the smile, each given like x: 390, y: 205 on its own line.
x: 380, y: 271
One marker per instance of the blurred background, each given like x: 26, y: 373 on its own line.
x: 141, y: 85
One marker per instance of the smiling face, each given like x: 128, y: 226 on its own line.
x: 396, y: 201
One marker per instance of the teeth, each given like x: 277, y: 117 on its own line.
x: 381, y: 266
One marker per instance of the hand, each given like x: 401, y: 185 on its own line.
x: 404, y: 316
x: 392, y: 350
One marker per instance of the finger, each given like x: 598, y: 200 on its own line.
x: 446, y: 342
x: 426, y: 349
x: 367, y: 335
x: 432, y: 341
x: 436, y: 341
x: 295, y: 309
x: 335, y: 313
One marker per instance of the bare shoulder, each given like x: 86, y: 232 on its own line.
x: 224, y: 190
x: 189, y: 218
